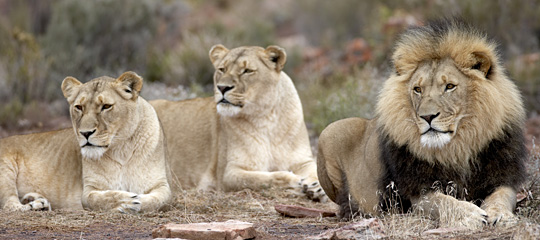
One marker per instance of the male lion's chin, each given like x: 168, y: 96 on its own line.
x: 93, y: 152
x: 435, y: 139
x: 228, y: 110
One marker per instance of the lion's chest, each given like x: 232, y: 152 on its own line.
x: 262, y: 151
x: 127, y: 179
x: 130, y: 176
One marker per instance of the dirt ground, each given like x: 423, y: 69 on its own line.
x: 190, y: 207
x: 251, y: 206
x: 256, y: 207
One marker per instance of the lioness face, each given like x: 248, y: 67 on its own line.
x: 437, y: 92
x: 245, y: 79
x: 102, y: 110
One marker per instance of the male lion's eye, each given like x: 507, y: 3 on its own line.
x: 247, y: 71
x: 417, y: 89
x: 450, y: 86
x: 78, y: 107
x: 106, y: 106
x: 221, y: 69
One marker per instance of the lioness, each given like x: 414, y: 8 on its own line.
x: 251, y: 134
x: 123, y: 162
x: 447, y: 137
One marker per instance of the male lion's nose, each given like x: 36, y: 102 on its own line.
x: 87, y: 134
x: 224, y: 88
x: 429, y: 118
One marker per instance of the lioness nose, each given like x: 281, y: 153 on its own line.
x: 429, y: 118
x: 87, y: 134
x: 223, y: 88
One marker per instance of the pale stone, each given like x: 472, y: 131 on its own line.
x: 442, y: 231
x: 215, y: 230
x: 300, y: 212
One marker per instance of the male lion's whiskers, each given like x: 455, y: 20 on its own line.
x: 410, y: 120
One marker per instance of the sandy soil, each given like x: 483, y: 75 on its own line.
x: 256, y: 207
x: 252, y: 206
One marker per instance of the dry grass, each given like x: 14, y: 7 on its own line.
x: 190, y: 207
x: 257, y: 207
x: 252, y: 206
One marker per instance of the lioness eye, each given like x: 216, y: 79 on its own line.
x: 221, y: 69
x: 78, y: 107
x: 417, y: 89
x: 106, y: 106
x: 450, y: 86
x: 247, y: 71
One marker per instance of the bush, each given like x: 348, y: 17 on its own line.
x: 349, y: 95
x: 87, y: 39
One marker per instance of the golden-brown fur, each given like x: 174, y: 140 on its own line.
x: 46, y: 166
x: 448, y: 115
x: 251, y: 134
x: 123, y: 162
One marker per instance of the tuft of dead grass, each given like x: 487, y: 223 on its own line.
x: 257, y: 207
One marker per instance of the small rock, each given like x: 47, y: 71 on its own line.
x: 300, y: 212
x: 364, y: 229
x: 215, y: 230
x: 442, y: 231
x: 521, y: 196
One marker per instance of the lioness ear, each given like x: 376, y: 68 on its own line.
x: 70, y: 88
x: 276, y: 55
x: 482, y: 63
x: 131, y: 84
x: 216, y: 52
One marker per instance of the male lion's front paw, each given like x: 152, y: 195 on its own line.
x: 466, y: 214
x: 501, y: 217
x: 313, y: 190
x: 36, y: 202
x: 129, y: 204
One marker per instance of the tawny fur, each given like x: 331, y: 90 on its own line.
x: 492, y: 105
x: 251, y: 134
x: 447, y: 76
x: 127, y: 174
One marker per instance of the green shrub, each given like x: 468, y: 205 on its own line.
x: 87, y: 39
x: 349, y: 95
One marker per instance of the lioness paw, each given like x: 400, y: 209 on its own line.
x: 285, y: 178
x: 36, y: 202
x: 131, y: 204
x: 131, y: 207
x: 312, y: 190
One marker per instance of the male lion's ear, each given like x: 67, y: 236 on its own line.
x: 276, y: 55
x: 482, y: 63
x: 70, y: 88
x: 131, y: 84
x: 216, y: 52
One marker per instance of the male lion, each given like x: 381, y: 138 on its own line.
x: 123, y: 162
x: 447, y: 131
x: 249, y: 135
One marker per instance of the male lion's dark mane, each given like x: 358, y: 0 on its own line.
x: 488, y: 149
x: 500, y: 163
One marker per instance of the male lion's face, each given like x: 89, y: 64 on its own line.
x: 438, y: 92
x: 246, y: 78
x: 102, y: 111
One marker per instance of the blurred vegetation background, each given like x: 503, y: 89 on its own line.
x: 338, y: 51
